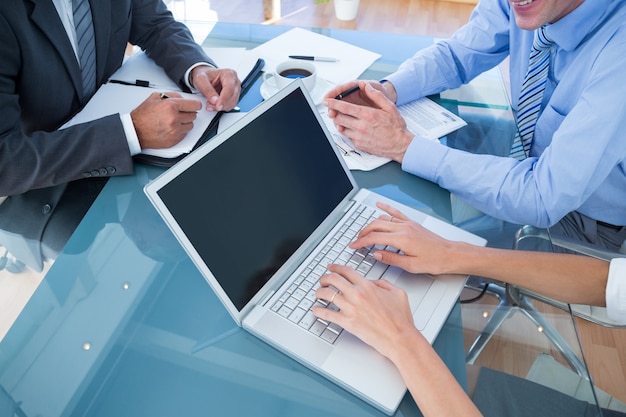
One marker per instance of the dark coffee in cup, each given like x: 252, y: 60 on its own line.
x: 295, y: 73
x: 287, y: 72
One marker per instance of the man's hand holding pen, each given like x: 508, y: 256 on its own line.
x: 164, y: 119
x: 365, y: 112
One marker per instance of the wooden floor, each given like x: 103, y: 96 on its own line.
x: 604, y: 349
x: 421, y: 17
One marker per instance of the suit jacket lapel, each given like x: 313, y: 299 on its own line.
x: 45, y: 16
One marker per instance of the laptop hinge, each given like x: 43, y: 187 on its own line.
x: 349, y: 206
x: 267, y: 297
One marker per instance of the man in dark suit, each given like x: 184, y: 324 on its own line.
x: 41, y: 88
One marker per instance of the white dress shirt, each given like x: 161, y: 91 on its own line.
x: 66, y: 14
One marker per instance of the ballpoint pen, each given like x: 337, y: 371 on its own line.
x: 138, y: 83
x: 314, y: 58
x: 349, y: 91
x: 348, y: 151
x: 346, y: 93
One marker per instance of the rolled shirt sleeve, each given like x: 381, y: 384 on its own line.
x: 616, y: 290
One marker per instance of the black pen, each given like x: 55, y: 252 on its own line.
x: 346, y: 93
x: 138, y: 83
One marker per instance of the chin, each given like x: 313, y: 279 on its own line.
x: 527, y: 13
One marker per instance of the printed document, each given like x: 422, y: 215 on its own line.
x: 423, y: 118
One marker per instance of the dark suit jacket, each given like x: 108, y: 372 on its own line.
x: 39, y: 91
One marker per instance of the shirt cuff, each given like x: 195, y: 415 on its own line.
x: 188, y: 75
x: 423, y: 158
x: 131, y: 134
x: 616, y: 290
x: 405, y: 90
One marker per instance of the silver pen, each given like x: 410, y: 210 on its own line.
x: 314, y: 58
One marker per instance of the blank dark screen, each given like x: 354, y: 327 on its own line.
x: 248, y: 204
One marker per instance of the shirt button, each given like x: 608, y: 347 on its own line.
x: 46, y: 208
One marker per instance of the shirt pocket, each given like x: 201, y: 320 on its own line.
x: 548, y: 123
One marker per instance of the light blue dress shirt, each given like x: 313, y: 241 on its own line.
x: 577, y: 160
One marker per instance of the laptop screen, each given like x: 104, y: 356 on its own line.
x: 247, y: 205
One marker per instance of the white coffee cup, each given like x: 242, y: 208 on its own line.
x: 287, y: 71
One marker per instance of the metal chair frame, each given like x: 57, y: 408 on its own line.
x: 513, y: 299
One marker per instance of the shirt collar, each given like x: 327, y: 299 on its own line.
x: 569, y: 31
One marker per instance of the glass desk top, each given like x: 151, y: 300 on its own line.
x: 124, y: 324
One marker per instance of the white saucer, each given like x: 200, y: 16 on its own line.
x: 322, y: 86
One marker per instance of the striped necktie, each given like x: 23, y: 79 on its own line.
x: 532, y: 94
x: 86, y: 45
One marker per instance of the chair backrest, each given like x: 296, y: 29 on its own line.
x: 570, y: 244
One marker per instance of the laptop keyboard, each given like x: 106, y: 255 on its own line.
x: 296, y: 302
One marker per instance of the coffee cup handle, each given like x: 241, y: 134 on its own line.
x: 269, y: 78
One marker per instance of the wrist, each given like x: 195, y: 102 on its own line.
x: 389, y: 90
x: 405, y: 345
x: 191, y: 73
x: 466, y: 258
x: 408, y: 138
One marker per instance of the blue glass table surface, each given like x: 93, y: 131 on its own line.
x: 124, y: 324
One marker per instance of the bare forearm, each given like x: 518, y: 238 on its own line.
x: 433, y: 387
x: 568, y: 278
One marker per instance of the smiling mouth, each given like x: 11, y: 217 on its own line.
x: 521, y: 3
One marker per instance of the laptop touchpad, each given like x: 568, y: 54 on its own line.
x: 424, y: 295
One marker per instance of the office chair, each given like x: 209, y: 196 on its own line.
x: 513, y: 299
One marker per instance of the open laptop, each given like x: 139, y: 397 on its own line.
x: 253, y: 206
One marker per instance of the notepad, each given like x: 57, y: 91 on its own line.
x: 118, y: 97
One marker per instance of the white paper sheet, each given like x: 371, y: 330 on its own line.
x: 426, y: 118
x: 117, y: 98
x: 140, y: 67
x: 352, y: 59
